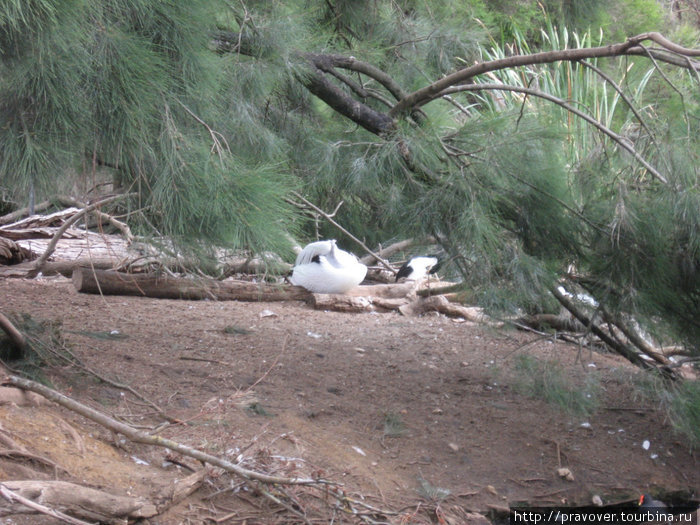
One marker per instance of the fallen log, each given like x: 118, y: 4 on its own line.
x: 75, y: 500
x: 64, y: 268
x: 439, y: 303
x: 12, y: 253
x: 378, y: 297
x: 109, y: 282
x: 341, y: 303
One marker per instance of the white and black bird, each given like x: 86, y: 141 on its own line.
x: 419, y: 267
x: 322, y: 267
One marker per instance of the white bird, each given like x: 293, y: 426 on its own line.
x: 322, y: 267
x: 417, y: 268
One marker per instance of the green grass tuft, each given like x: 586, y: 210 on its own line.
x: 685, y: 410
x: 432, y: 492
x: 393, y: 425
x: 547, y: 380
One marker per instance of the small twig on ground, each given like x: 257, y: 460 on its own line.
x: 74, y: 361
x: 79, y: 443
x: 274, y: 363
x: 186, y: 358
x: 33, y: 457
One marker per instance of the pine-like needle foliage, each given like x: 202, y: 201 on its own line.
x: 133, y: 85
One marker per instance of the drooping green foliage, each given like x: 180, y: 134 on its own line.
x: 133, y: 85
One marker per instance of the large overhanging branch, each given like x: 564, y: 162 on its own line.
x: 372, y: 120
x: 320, y: 76
x: 327, y: 63
x: 622, y: 141
x: 670, y: 52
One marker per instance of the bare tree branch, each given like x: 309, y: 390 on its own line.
x: 372, y: 120
x: 39, y: 263
x: 619, y: 347
x: 328, y: 62
x: 377, y: 257
x: 630, y: 47
x: 138, y: 436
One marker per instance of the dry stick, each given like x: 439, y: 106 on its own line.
x: 384, y: 262
x: 274, y: 363
x: 57, y: 236
x: 121, y: 226
x: 141, y: 437
x: 18, y: 214
x: 392, y: 248
x: 75, y: 361
x: 634, y: 338
x: 12, y: 332
x: 620, y: 348
x: 12, y: 496
x: 35, y: 457
x: 621, y: 141
x: 185, y: 358
x: 255, y: 478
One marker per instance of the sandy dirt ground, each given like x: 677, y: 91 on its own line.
x: 418, y: 415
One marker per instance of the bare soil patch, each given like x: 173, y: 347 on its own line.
x: 392, y: 407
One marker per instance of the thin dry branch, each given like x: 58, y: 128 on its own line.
x: 393, y: 248
x: 630, y: 104
x: 621, y: 141
x: 104, y: 217
x: 311, y: 205
x: 216, y: 137
x: 74, y: 361
x: 619, y: 347
x: 138, y: 436
x: 39, y: 263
